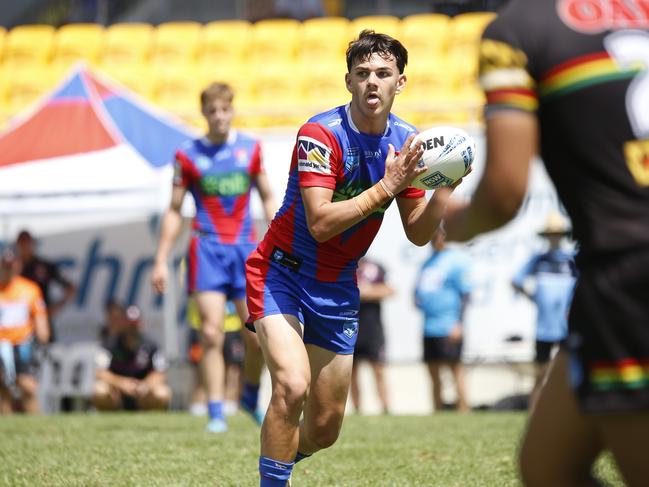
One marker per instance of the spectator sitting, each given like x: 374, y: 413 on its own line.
x: 132, y: 375
x: 116, y: 322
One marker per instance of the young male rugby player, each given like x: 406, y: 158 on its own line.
x: 348, y: 165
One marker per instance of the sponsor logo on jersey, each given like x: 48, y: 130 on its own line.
x: 372, y: 154
x: 335, y: 122
x: 226, y: 184
x: 636, y: 153
x: 313, y: 156
x: 352, y: 159
x: 241, y: 155
x: 203, y: 162
x: 396, y: 123
x: 593, y: 16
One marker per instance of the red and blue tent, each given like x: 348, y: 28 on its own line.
x: 88, y: 150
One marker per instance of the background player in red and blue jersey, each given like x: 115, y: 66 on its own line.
x: 569, y: 78
x: 219, y: 170
x: 302, y: 292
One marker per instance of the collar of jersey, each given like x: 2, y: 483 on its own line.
x: 232, y: 136
x: 355, y: 129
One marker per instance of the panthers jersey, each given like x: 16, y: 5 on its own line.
x: 219, y: 178
x: 330, y: 152
x: 583, y: 70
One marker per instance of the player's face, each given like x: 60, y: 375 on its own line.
x: 373, y: 83
x: 219, y: 114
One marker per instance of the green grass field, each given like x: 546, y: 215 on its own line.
x: 121, y: 450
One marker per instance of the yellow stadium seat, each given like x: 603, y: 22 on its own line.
x: 127, y: 43
x: 425, y: 34
x: 324, y: 38
x: 177, y: 89
x: 382, y: 24
x: 225, y: 41
x: 275, y: 40
x: 29, y: 44
x: 73, y: 42
x: 238, y: 75
x: 466, y: 29
x: 26, y: 84
x: 279, y: 94
x: 176, y: 42
x: 136, y: 77
x: 324, y: 85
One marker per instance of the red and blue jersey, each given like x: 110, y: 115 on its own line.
x: 331, y: 152
x: 219, y: 178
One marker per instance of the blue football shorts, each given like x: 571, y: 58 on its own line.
x: 214, y: 266
x: 328, y: 310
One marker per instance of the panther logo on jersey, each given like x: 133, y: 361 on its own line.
x: 592, y: 16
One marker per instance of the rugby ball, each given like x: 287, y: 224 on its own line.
x: 448, y: 154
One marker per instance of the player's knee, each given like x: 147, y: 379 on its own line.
x: 291, y: 389
x: 326, y: 434
x: 211, y: 335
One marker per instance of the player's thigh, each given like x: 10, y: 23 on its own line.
x: 211, y: 309
x: 560, y: 444
x: 627, y: 435
x: 280, y: 337
x: 330, y: 380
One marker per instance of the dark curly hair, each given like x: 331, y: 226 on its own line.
x: 370, y: 42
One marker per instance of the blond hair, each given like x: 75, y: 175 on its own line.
x: 217, y: 91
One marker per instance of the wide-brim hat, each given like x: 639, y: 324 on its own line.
x: 555, y: 224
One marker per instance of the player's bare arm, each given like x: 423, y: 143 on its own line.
x: 169, y: 229
x: 266, y: 194
x: 327, y: 219
x: 512, y: 142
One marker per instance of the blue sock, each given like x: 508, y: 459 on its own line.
x: 250, y: 396
x: 300, y: 456
x: 215, y: 409
x: 273, y: 473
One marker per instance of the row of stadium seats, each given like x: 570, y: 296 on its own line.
x: 277, y: 82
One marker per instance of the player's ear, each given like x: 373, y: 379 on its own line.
x: 348, y: 82
x: 401, y: 84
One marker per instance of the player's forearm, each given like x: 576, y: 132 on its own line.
x: 327, y: 219
x: 270, y: 209
x: 169, y: 230
x: 423, y: 220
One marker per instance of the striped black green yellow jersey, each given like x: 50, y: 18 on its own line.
x: 581, y: 67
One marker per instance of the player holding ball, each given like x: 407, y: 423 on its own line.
x: 348, y: 165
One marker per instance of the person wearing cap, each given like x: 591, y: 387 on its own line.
x: 44, y: 273
x: 23, y: 320
x: 548, y: 280
x: 131, y: 373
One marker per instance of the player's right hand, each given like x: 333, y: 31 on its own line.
x: 159, y: 276
x: 401, y: 169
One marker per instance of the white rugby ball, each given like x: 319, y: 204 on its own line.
x: 448, y: 154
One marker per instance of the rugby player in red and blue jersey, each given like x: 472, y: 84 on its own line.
x: 219, y: 170
x: 302, y: 292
